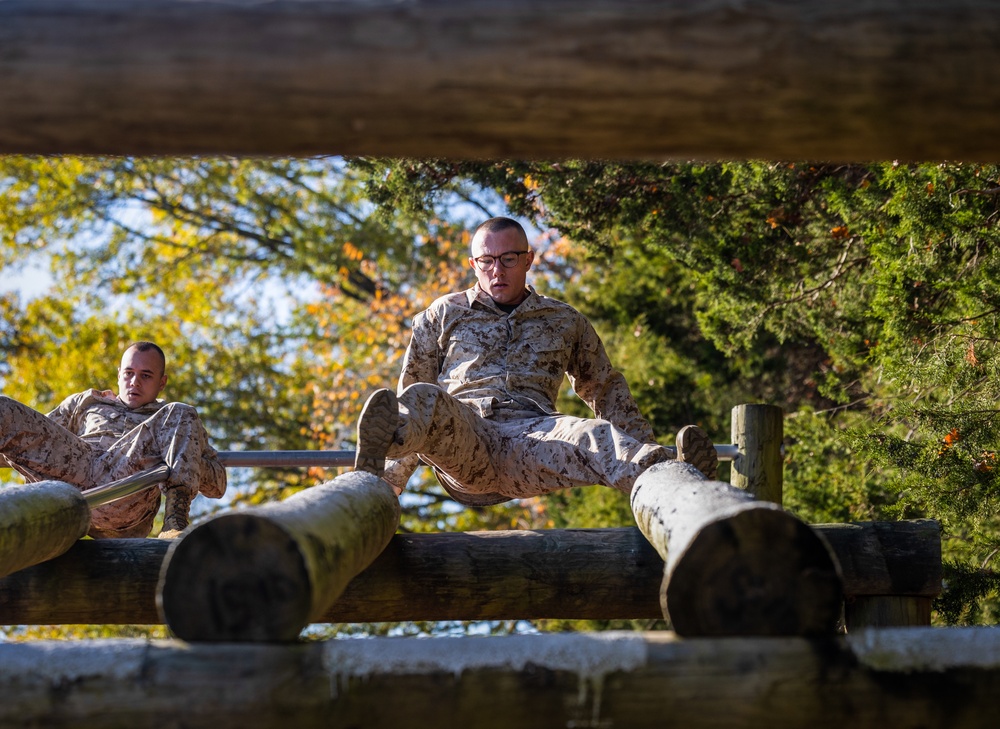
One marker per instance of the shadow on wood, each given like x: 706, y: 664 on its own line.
x: 264, y: 573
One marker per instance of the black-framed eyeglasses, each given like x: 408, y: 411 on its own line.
x: 507, y: 260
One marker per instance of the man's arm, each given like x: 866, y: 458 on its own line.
x: 422, y: 361
x: 603, y: 388
x: 213, y: 474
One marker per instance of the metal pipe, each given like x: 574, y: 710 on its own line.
x: 143, y: 480
x: 343, y: 459
x: 126, y: 486
x: 278, y: 459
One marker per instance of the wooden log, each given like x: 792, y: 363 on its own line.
x: 263, y: 574
x: 888, y: 558
x: 942, y: 678
x: 851, y: 80
x: 734, y: 565
x: 885, y: 611
x: 39, y: 521
x: 599, y: 574
x: 757, y: 433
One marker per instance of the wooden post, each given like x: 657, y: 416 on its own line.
x: 734, y: 565
x: 884, y: 611
x: 264, y: 573
x: 932, y: 678
x: 39, y: 521
x: 757, y: 432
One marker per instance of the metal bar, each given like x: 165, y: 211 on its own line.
x: 344, y: 459
x: 126, y: 486
x: 278, y: 459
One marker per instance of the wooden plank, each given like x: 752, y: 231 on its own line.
x: 598, y: 574
x: 944, y: 678
x: 851, y: 80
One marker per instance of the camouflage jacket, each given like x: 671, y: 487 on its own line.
x: 486, y: 358
x: 100, y: 418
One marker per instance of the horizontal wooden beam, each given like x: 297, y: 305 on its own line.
x: 917, y: 677
x: 574, y: 574
x: 848, y: 80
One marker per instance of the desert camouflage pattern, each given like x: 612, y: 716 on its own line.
x: 93, y: 438
x: 477, y: 398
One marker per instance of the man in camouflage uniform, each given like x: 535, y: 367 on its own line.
x: 95, y: 437
x: 476, y: 396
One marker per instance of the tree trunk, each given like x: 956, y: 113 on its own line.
x: 941, y: 678
x: 39, y: 521
x: 734, y: 565
x: 851, y: 80
x: 263, y: 574
x: 598, y: 574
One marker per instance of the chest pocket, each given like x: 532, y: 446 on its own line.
x: 551, y: 355
x: 103, y: 421
x: 464, y: 354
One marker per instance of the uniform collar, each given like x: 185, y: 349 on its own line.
x: 477, y: 295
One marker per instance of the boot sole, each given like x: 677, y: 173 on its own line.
x: 695, y: 447
x: 376, y: 427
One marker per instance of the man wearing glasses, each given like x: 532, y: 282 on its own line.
x: 478, y: 388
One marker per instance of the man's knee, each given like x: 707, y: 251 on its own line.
x: 421, y: 394
x: 11, y: 411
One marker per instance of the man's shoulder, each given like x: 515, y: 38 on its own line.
x: 448, y: 301
x: 541, y: 302
x: 441, y: 306
x: 91, y: 396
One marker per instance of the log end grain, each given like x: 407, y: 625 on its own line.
x: 758, y: 572
x: 238, y: 577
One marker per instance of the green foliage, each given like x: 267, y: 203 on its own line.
x: 861, y: 298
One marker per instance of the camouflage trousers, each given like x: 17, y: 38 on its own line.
x: 514, y: 453
x: 41, y: 449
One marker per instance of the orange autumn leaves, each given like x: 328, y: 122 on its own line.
x: 986, y: 461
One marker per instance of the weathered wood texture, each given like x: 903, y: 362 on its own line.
x: 876, y: 611
x: 945, y: 678
x: 757, y: 432
x: 265, y: 573
x: 734, y: 565
x: 888, y: 557
x: 510, y: 575
x: 39, y: 521
x: 857, y: 79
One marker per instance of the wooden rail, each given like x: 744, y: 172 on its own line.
x: 940, y: 678
x: 595, y: 574
x: 847, y: 80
